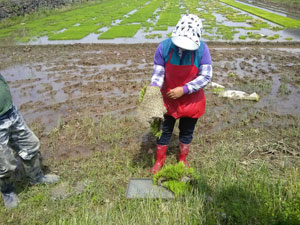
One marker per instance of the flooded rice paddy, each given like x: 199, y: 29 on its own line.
x: 221, y: 22
x: 53, y: 82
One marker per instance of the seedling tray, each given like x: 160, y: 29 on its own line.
x: 144, y: 188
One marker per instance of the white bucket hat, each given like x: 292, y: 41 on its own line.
x: 187, y: 33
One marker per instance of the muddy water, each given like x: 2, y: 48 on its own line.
x: 52, y: 82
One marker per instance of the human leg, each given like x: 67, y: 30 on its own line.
x: 162, y: 143
x: 8, y: 165
x: 26, y: 144
x: 186, y: 127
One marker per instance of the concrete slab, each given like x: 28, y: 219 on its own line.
x: 144, y: 188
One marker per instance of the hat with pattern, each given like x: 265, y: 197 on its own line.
x: 187, y: 33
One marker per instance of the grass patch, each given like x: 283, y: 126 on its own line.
x: 238, y: 183
x: 261, y: 87
x: 283, y: 90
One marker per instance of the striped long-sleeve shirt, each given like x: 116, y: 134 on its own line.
x: 204, y: 75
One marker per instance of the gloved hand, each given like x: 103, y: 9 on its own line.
x: 151, y: 107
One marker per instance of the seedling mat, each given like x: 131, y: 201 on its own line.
x: 144, y: 188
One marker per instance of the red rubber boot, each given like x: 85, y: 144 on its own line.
x: 184, y: 151
x: 160, y: 158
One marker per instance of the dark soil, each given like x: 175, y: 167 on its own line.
x: 50, y: 83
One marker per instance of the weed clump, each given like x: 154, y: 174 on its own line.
x: 177, y: 178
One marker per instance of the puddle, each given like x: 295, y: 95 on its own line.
x: 282, y: 105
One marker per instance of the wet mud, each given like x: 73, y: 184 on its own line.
x: 49, y: 83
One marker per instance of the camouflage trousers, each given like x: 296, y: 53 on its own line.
x: 17, y: 141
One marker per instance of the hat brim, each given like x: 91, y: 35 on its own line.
x: 184, y: 43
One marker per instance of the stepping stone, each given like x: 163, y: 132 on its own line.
x: 144, y: 188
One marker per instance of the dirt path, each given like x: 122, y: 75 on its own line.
x: 49, y: 82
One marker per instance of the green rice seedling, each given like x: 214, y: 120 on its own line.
x: 274, y: 37
x: 262, y: 87
x: 283, y: 90
x: 257, y: 24
x: 226, y: 32
x: 120, y: 31
x: 231, y: 74
x: 152, y: 36
x: 75, y: 33
x: 142, y: 93
x: 242, y: 37
x: 281, y: 20
x: 217, y: 90
x: 160, y: 28
x: 208, y: 37
x: 254, y: 35
x: 176, y: 178
x: 143, y: 14
x: 156, y: 127
x: 90, y: 18
x: 170, y: 15
x: 276, y: 28
x: 238, y: 17
x: 289, y: 39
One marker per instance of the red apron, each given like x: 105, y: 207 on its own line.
x: 189, y: 105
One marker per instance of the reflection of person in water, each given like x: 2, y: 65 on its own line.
x: 182, y: 68
x: 17, y: 138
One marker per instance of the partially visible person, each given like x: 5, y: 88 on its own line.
x: 182, y: 68
x: 17, y: 139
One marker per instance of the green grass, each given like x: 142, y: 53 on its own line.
x: 238, y: 183
x: 261, y: 87
x: 283, y: 90
x: 281, y: 20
